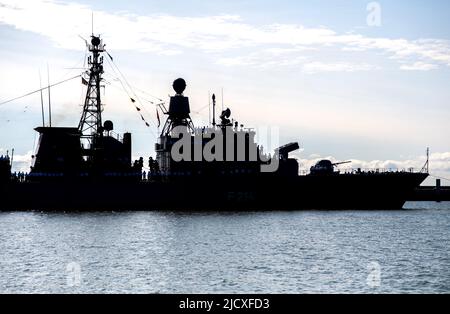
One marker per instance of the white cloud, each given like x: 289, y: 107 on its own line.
x: 439, y: 163
x: 419, y: 66
x: 20, y: 162
x: 315, y: 67
x: 266, y: 58
x: 62, y: 22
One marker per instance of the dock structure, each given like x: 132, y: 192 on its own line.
x: 436, y: 193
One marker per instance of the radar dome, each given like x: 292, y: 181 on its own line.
x: 179, y: 85
x: 95, y: 41
x: 108, y: 125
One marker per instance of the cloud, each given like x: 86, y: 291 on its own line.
x: 439, y: 163
x: 419, y: 66
x: 20, y: 162
x: 315, y: 67
x: 267, y: 58
x: 164, y: 34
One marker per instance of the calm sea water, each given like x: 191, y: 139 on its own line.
x: 272, y: 252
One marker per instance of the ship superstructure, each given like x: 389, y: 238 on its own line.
x: 224, y: 149
x: 92, y: 150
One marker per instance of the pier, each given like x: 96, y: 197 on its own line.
x: 436, y: 193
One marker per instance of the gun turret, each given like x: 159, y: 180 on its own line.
x: 326, y: 167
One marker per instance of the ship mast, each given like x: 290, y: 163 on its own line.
x: 91, y: 119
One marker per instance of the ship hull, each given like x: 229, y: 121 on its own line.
x: 336, y: 192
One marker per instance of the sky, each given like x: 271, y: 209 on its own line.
x: 348, y: 79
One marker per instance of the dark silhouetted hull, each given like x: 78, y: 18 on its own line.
x: 336, y: 192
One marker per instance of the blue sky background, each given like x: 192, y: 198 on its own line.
x: 315, y: 69
x: 410, y: 19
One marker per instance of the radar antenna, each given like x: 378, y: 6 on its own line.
x: 426, y: 167
x: 179, y: 110
x: 91, y: 119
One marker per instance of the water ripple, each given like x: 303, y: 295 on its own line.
x: 274, y: 252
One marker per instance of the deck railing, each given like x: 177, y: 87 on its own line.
x: 368, y: 171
